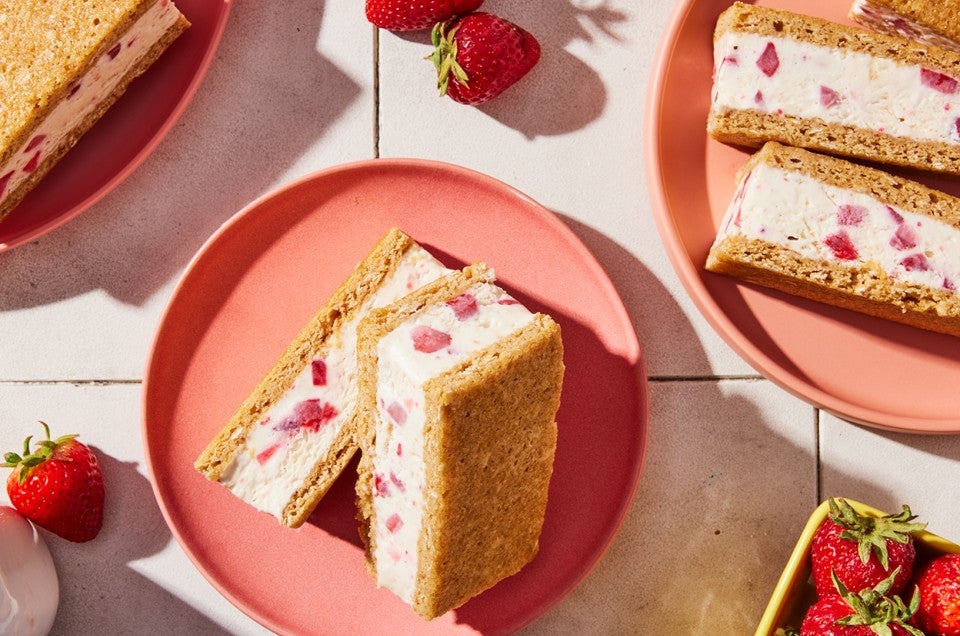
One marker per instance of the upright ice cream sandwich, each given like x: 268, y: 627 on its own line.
x: 460, y: 385
x: 934, y: 23
x: 64, y: 63
x: 294, y: 434
x: 807, y: 82
x: 844, y: 234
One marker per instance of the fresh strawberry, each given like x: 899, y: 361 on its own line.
x: 939, y: 583
x: 481, y: 55
x: 863, y: 550
x: 59, y: 486
x: 403, y: 15
x: 869, y: 613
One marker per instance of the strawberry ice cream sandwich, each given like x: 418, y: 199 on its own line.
x: 807, y: 82
x: 460, y: 385
x: 293, y: 435
x: 844, y: 234
x: 934, y: 23
x: 64, y: 64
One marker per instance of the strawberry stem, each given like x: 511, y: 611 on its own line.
x: 871, y: 533
x: 444, y: 56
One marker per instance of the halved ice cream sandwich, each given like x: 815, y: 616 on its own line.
x: 934, y: 23
x: 844, y: 234
x: 807, y: 82
x: 293, y: 435
x: 64, y: 63
x: 460, y: 385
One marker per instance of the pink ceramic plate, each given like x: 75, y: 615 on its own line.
x: 126, y: 134
x: 257, y: 282
x: 860, y: 368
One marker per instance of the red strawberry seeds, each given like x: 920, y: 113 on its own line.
x: 402, y: 15
x: 59, y: 486
x: 939, y: 585
x: 481, y: 55
x: 862, y: 550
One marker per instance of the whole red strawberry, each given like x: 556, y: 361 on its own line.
x: 403, y: 15
x: 59, y: 486
x: 870, y: 612
x: 862, y: 550
x: 939, y: 583
x: 481, y: 55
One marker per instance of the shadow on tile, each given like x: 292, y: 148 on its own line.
x: 722, y: 497
x: 258, y: 109
x: 99, y: 591
x: 562, y: 93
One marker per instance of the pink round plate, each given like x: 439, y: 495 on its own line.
x: 860, y: 368
x: 126, y: 134
x: 259, y: 279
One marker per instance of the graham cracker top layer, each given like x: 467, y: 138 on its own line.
x: 896, y: 191
x: 45, y: 46
x: 942, y: 15
x: 776, y: 23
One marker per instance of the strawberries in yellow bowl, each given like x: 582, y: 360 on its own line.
x: 856, y: 569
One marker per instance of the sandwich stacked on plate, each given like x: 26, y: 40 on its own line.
x: 64, y: 63
x: 448, y: 386
x: 820, y: 226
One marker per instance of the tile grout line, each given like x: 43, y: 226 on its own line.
x: 100, y: 382
x: 703, y: 378
x: 818, y: 471
x: 376, y: 92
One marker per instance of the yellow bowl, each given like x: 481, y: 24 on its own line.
x: 794, y: 592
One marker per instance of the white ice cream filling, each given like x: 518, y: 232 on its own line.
x: 85, y: 96
x: 844, y: 228
x: 883, y: 18
x: 430, y: 343
x: 281, y: 450
x: 837, y: 86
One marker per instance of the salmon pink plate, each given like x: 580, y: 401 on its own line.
x: 126, y: 134
x: 258, y: 281
x: 860, y: 368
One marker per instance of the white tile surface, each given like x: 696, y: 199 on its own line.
x: 728, y: 482
x: 734, y: 466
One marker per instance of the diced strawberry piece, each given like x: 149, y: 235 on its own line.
x: 380, y: 486
x: 399, y: 450
x: 33, y: 163
x: 313, y: 414
x: 428, y: 340
x: 3, y: 182
x: 264, y: 456
x: 319, y: 369
x: 115, y: 51
x: 938, y: 81
x: 769, y: 61
x: 916, y: 262
x: 507, y: 301
x: 904, y: 238
x: 393, y: 523
x: 309, y: 414
x: 956, y: 125
x: 842, y: 246
x: 896, y: 216
x: 829, y: 97
x: 73, y: 90
x: 36, y: 141
x: 851, y: 214
x: 758, y: 98
x: 948, y: 284
x: 464, y: 306
x: 397, y: 482
x: 397, y: 413
x: 732, y: 60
